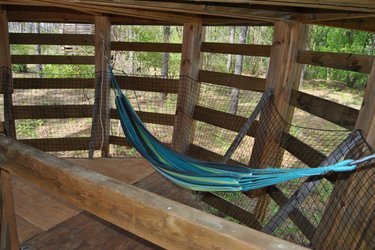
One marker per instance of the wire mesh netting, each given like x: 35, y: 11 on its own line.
x: 311, y: 212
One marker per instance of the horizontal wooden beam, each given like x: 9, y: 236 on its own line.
x: 198, y: 152
x: 119, y: 140
x: 231, y: 80
x: 37, y: 59
x: 59, y: 144
x: 162, y: 221
x: 222, y: 119
x: 51, y: 39
x: 149, y: 47
x: 150, y: 117
x: 52, y: 111
x: 336, y: 113
x: 344, y: 61
x: 237, y: 49
x: 362, y: 24
x: 148, y: 84
x: 53, y: 83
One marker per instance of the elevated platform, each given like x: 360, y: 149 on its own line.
x: 45, y: 221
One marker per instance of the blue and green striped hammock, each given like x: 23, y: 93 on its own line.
x: 201, y: 175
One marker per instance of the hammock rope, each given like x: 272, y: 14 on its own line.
x: 201, y: 175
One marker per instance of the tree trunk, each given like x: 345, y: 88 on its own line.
x: 38, y: 49
x: 164, y: 67
x: 131, y: 53
x: 231, y: 40
x: 234, y: 95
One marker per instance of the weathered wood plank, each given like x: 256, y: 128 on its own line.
x: 149, y: 47
x: 220, y: 119
x: 119, y: 140
x: 148, y: 84
x: 345, y: 61
x: 198, y: 152
x: 362, y: 24
x: 231, y: 80
x: 52, y: 111
x: 51, y: 39
x: 189, y: 88
x: 154, y: 218
x: 150, y: 117
x: 8, y: 227
x: 59, y: 144
x: 53, y: 83
x: 42, y: 59
x: 237, y: 49
x: 336, y: 113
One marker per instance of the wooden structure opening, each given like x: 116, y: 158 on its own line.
x: 64, y: 106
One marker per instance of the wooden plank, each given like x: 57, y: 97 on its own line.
x: 8, y: 227
x: 362, y: 24
x: 336, y: 113
x: 40, y: 209
x: 25, y: 229
x: 42, y: 59
x: 150, y: 117
x: 345, y: 61
x: 220, y: 119
x: 6, y: 87
x: 282, y: 78
x: 53, y: 83
x: 59, y: 144
x: 231, y: 80
x: 52, y: 111
x: 89, y: 232
x: 188, y: 90
x: 237, y: 49
x: 119, y: 140
x: 148, y: 84
x: 125, y: 170
x: 100, y: 129
x: 198, y: 152
x: 51, y: 39
x: 144, y: 46
x: 232, y: 210
x: 154, y: 218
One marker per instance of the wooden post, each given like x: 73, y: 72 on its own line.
x: 188, y: 92
x: 8, y: 228
x: 6, y: 86
x: 350, y: 211
x: 283, y: 75
x: 101, y: 119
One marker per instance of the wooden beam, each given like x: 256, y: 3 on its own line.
x: 53, y: 83
x: 237, y: 49
x: 59, y: 144
x: 52, y: 111
x: 8, y: 227
x: 6, y: 75
x: 344, y: 61
x: 42, y: 59
x: 283, y: 76
x: 362, y: 24
x: 150, y: 117
x: 207, y: 155
x: 154, y: 218
x: 100, y: 130
x: 230, y: 80
x: 51, y: 39
x: 148, y: 84
x: 120, y: 141
x: 188, y: 91
x: 144, y: 46
x: 336, y: 113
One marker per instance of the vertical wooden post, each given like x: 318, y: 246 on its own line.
x: 188, y: 92
x: 8, y: 228
x: 6, y: 75
x: 350, y: 210
x: 283, y: 75
x: 101, y: 119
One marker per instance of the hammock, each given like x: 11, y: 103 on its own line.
x: 201, y: 175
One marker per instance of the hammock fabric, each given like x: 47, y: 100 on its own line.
x: 201, y: 175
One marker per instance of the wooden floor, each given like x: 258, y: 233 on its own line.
x: 48, y: 222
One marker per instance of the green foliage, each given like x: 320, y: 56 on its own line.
x: 27, y: 128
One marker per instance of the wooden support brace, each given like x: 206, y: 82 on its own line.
x: 8, y: 228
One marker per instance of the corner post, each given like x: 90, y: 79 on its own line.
x: 101, y: 117
x: 283, y: 76
x: 188, y: 90
x: 6, y: 80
